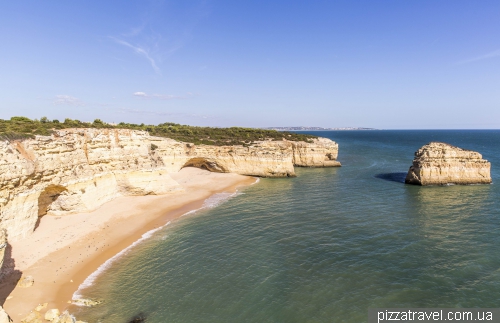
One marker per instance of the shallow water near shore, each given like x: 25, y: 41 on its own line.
x: 322, y: 247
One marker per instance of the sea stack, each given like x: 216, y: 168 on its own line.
x: 438, y: 163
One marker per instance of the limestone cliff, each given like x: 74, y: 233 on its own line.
x: 439, y: 163
x: 77, y: 170
x: 321, y: 153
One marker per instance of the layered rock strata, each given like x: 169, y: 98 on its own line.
x: 439, y: 163
x: 77, y: 170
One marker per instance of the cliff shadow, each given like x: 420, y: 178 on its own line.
x: 9, y: 276
x: 392, y: 177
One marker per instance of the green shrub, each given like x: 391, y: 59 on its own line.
x: 22, y: 126
x: 22, y: 119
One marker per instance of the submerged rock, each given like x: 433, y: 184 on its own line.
x: 86, y: 302
x: 139, y: 318
x: 439, y: 163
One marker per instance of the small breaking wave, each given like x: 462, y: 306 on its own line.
x: 211, y: 202
x: 91, y: 279
x: 218, y: 198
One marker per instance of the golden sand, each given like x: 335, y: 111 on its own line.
x: 63, y: 251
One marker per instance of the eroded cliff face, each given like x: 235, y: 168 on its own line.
x: 321, y: 153
x: 77, y: 170
x: 439, y: 163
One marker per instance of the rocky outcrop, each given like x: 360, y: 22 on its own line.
x: 77, y: 170
x: 26, y: 281
x: 33, y: 317
x: 65, y: 317
x: 52, y: 314
x: 322, y: 152
x: 439, y: 163
x: 4, y: 317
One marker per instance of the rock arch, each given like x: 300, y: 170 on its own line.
x: 48, y: 196
x: 207, y: 164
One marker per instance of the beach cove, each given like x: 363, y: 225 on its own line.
x: 74, y: 201
x: 64, y: 251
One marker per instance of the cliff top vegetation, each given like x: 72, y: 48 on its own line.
x: 23, y: 127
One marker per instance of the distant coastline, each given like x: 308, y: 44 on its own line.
x: 315, y: 128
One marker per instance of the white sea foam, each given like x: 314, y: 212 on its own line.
x: 211, y: 202
x: 218, y: 198
x: 256, y: 181
x: 192, y: 211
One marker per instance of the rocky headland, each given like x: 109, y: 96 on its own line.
x: 77, y: 170
x: 439, y: 163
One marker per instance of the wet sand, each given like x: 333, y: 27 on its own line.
x: 63, y: 251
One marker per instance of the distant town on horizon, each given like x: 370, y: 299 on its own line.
x: 315, y: 128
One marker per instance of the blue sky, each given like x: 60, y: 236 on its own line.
x: 382, y: 64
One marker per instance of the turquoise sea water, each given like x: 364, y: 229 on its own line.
x: 322, y: 247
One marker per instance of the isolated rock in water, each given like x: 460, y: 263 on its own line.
x: 26, y: 281
x: 52, y: 314
x: 33, y: 317
x: 4, y: 317
x: 439, y: 163
x: 86, y: 302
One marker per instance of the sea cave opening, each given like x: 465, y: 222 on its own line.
x: 206, y: 164
x: 48, y: 196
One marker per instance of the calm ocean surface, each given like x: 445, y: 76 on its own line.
x: 322, y: 247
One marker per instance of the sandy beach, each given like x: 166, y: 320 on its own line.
x: 64, y: 250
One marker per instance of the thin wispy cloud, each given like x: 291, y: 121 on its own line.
x: 161, y: 33
x: 67, y: 100
x: 140, y: 51
x: 482, y: 57
x: 144, y: 95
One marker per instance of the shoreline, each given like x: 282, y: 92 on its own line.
x: 77, y: 245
